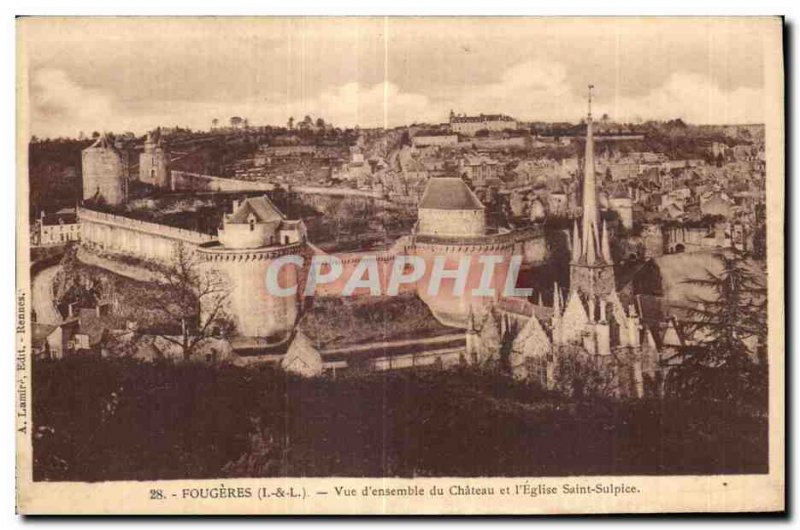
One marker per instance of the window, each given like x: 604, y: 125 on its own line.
x: 252, y: 224
x: 537, y: 369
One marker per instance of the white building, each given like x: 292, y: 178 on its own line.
x: 56, y: 229
x: 469, y: 125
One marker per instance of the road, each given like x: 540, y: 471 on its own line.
x: 41, y: 287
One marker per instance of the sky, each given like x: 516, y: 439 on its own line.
x: 135, y: 74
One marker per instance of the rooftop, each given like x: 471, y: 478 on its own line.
x: 449, y: 193
x: 481, y: 118
x: 263, y: 208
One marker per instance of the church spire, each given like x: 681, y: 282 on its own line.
x: 556, y: 300
x: 576, y: 242
x: 591, y: 215
x: 606, y: 245
x: 591, y: 269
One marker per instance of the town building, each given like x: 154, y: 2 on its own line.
x: 479, y: 169
x: 56, y: 229
x: 469, y: 125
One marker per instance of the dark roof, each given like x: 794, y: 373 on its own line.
x: 449, y: 193
x: 60, y: 218
x: 92, y: 325
x: 618, y: 191
x: 262, y: 207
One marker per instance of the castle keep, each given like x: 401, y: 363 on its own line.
x: 104, y: 173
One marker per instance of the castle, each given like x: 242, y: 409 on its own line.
x: 593, y: 318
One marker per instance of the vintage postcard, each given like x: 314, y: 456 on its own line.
x: 400, y: 265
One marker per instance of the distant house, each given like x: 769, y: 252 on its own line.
x: 53, y: 341
x: 716, y: 204
x: 57, y: 228
x: 479, y: 169
x: 672, y: 210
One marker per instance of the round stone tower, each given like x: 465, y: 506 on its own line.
x: 251, y: 238
x: 450, y: 209
x: 154, y: 162
x: 451, y: 234
x: 103, y: 171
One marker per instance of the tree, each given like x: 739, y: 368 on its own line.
x: 728, y: 327
x: 290, y: 123
x: 320, y: 123
x: 186, y: 297
x: 760, y: 233
x: 580, y: 375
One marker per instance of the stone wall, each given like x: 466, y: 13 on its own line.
x: 451, y: 223
x: 185, y: 181
x: 256, y: 312
x: 140, y: 239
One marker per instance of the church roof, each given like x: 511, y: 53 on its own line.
x: 262, y: 207
x: 449, y: 193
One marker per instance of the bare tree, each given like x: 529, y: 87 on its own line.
x: 188, y: 298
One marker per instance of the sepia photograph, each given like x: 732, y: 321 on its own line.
x: 416, y: 265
